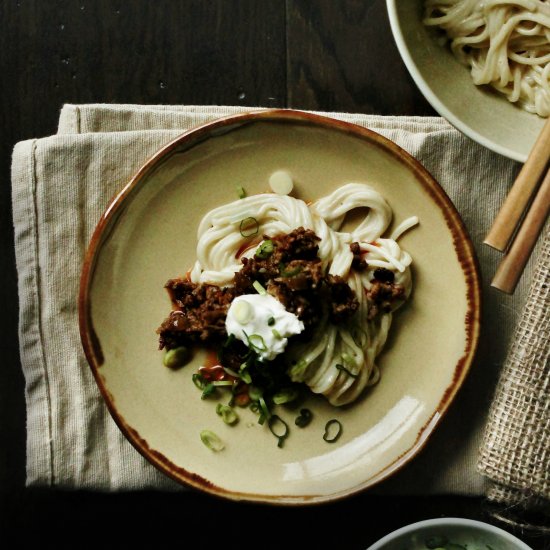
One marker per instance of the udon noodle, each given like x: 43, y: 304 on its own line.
x: 358, y: 341
x: 506, y: 44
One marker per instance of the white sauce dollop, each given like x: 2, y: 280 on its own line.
x: 262, y: 323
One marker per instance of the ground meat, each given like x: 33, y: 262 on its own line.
x: 292, y: 273
x: 199, y: 313
x: 358, y: 263
x: 343, y: 302
x: 382, y: 295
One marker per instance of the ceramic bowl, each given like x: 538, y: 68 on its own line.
x: 480, y: 113
x: 148, y: 235
x: 466, y: 533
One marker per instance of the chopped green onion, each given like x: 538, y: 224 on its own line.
x: 284, y: 273
x: 255, y: 407
x: 276, y: 333
x: 256, y: 342
x: 229, y: 416
x: 209, y: 389
x: 271, y: 321
x: 265, y: 250
x: 244, y: 374
x: 304, y: 419
x: 298, y: 370
x: 249, y: 227
x: 259, y: 288
x: 349, y: 373
x: 231, y: 372
x: 241, y: 193
x: 265, y: 411
x: 222, y: 383
x: 285, y: 396
x: 273, y: 420
x: 176, y: 357
x: 328, y: 429
x: 199, y: 381
x: 255, y: 393
x: 212, y: 441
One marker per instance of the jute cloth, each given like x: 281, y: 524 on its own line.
x: 61, y: 186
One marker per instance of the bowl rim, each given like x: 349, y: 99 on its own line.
x: 450, y: 521
x: 462, y: 244
x: 433, y: 99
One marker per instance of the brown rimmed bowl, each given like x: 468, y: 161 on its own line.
x: 148, y: 235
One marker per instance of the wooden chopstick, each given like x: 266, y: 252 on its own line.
x: 520, y: 194
x: 513, y: 263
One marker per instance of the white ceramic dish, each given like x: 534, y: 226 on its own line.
x: 475, y: 535
x: 481, y: 114
x: 148, y: 235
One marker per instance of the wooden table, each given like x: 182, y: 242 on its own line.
x: 325, y: 55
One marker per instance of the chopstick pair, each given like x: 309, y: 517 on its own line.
x: 510, y: 232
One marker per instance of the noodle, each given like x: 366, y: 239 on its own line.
x: 506, y: 44
x: 353, y: 344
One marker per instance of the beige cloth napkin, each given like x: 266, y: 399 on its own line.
x: 61, y: 185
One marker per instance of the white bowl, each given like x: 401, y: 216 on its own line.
x: 480, y: 113
x: 475, y: 534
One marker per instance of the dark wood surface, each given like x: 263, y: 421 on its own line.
x: 307, y: 54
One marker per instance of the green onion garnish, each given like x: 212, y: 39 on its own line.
x: 212, y: 441
x: 297, y: 370
x: 264, y: 250
x: 335, y: 434
x: 265, y: 411
x: 241, y: 193
x: 249, y: 227
x: 255, y: 393
x: 285, y: 396
x: 290, y: 273
x: 256, y: 342
x: 259, y: 288
x: 209, y: 389
x: 199, y: 381
x: 276, y: 333
x: 349, y: 373
x: 271, y: 321
x: 244, y: 374
x: 222, y: 383
x: 304, y: 419
x: 273, y: 420
x: 229, y: 416
x: 348, y: 360
x: 255, y: 407
x: 175, y: 358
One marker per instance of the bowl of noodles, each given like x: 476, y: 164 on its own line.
x: 484, y: 66
x: 259, y: 307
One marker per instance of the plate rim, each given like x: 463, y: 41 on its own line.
x: 465, y: 256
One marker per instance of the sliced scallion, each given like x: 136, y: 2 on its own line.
x: 249, y: 227
x: 289, y: 272
x: 285, y: 396
x: 265, y: 411
x: 265, y: 250
x: 272, y: 423
x: 259, y: 288
x: 304, y: 419
x: 222, y: 383
x: 255, y: 393
x: 209, y: 389
x: 229, y: 416
x: 199, y: 381
x: 271, y: 321
x: 212, y: 441
x: 241, y: 193
x: 276, y: 333
x: 332, y: 434
x: 297, y: 370
x: 256, y: 342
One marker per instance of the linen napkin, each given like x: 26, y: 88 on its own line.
x: 61, y: 185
